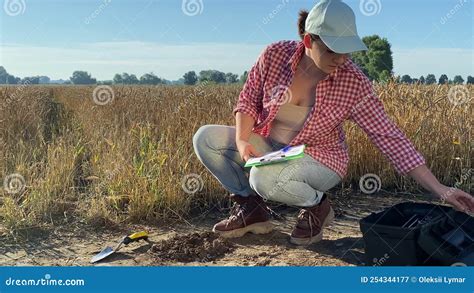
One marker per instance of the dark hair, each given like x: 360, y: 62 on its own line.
x: 302, y: 23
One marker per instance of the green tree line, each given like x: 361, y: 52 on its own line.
x: 376, y: 63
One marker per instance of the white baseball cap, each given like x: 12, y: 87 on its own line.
x: 334, y: 22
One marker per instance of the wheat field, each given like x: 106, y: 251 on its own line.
x: 124, y: 162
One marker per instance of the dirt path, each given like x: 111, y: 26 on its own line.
x: 342, y: 244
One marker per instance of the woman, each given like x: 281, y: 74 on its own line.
x: 301, y: 93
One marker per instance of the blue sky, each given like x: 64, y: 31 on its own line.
x: 54, y: 38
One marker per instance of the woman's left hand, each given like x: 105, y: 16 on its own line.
x: 459, y: 199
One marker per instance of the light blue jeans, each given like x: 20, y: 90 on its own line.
x: 300, y: 182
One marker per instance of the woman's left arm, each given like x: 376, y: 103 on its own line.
x: 456, y: 197
x: 370, y: 115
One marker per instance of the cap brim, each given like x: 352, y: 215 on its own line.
x: 344, y: 45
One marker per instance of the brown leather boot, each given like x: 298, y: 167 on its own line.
x: 249, y: 214
x: 311, y: 221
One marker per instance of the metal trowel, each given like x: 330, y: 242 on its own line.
x: 143, y: 235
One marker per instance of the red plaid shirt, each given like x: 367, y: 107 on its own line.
x: 344, y: 94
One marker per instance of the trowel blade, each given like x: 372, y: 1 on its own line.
x: 103, y: 254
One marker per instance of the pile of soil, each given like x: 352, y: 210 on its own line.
x: 200, y: 247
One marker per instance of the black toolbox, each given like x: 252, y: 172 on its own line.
x: 391, y: 236
x: 450, y: 241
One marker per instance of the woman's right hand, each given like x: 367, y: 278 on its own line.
x: 246, y: 150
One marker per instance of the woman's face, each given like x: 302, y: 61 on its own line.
x: 323, y: 57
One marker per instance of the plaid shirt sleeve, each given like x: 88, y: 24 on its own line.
x: 251, y: 96
x: 370, y: 115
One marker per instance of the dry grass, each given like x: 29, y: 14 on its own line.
x: 124, y: 162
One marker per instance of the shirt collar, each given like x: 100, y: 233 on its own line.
x: 339, y: 69
x: 296, y: 57
x: 298, y: 54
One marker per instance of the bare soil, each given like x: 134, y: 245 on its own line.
x: 190, y: 242
x: 199, y: 247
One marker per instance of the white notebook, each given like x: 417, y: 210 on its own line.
x: 285, y: 154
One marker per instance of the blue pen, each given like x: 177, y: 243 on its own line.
x: 285, y: 149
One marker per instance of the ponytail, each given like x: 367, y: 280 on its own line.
x: 302, y: 22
